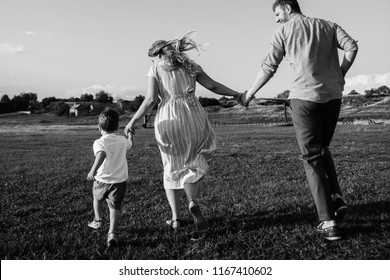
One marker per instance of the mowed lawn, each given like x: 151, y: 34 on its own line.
x: 255, y: 197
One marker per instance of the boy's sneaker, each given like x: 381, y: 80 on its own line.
x: 96, y: 224
x: 331, y: 233
x: 340, y: 208
x: 112, y: 240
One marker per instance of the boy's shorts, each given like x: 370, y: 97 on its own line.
x: 112, y: 193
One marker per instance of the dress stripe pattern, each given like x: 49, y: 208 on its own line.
x: 183, y: 132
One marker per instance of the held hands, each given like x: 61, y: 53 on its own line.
x: 248, y: 99
x: 130, y: 132
x: 130, y: 136
x: 241, y: 98
x: 244, y: 99
x: 129, y: 129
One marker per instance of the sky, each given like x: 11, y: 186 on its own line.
x: 65, y: 48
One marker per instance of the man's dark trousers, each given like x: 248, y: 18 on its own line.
x: 314, y: 125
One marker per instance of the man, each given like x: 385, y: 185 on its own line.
x: 310, y: 46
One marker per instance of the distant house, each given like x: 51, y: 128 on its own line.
x: 79, y: 109
x: 97, y: 108
x: 125, y: 105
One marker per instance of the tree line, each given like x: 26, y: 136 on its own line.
x: 28, y: 101
x: 380, y: 91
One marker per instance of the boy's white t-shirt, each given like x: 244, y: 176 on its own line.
x: 114, y: 168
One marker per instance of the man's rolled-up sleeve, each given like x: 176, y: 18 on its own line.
x: 275, y: 55
x: 344, y: 41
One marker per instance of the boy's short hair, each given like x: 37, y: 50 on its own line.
x: 293, y: 4
x: 109, y: 120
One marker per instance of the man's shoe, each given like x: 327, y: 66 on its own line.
x: 341, y: 209
x: 331, y: 233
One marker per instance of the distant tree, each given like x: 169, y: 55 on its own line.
x: 382, y: 90
x: 74, y: 99
x: 371, y: 92
x: 283, y: 94
x: 138, y: 100
x: 24, y: 101
x: 5, y: 108
x: 368, y: 93
x: 385, y: 90
x: 5, y: 99
x: 103, y: 97
x: 136, y: 103
x: 61, y: 109
x: 5, y: 104
x: 353, y: 92
x: 47, y: 100
x: 86, y: 97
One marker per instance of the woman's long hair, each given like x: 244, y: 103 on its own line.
x: 174, y: 56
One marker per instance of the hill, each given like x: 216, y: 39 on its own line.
x: 362, y: 108
x: 355, y: 109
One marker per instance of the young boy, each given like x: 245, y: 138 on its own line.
x: 109, y: 172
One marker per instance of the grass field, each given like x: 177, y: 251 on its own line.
x: 255, y: 197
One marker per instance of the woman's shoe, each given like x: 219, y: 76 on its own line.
x: 199, y: 220
x: 112, y: 240
x: 96, y: 224
x: 175, y: 224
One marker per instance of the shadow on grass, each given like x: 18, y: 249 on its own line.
x: 367, y: 218
x: 362, y: 219
x: 262, y: 219
x: 366, y: 222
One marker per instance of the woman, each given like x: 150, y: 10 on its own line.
x: 184, y: 135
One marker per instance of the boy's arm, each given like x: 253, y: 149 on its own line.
x: 100, y: 157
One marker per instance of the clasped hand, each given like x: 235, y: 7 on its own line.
x: 243, y: 100
x: 129, y: 128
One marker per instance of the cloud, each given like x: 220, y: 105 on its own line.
x: 124, y: 92
x: 37, y: 33
x: 8, y: 49
x: 364, y: 82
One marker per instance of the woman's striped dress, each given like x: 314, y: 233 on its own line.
x: 184, y: 135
